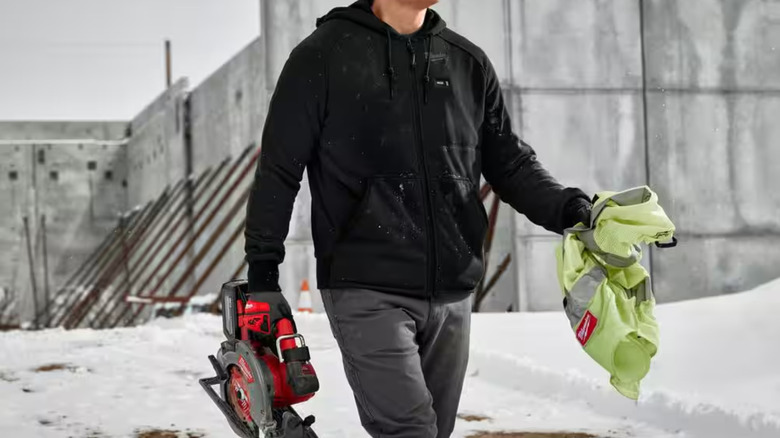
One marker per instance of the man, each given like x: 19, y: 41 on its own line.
x: 395, y: 117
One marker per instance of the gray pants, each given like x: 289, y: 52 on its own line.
x: 405, y: 359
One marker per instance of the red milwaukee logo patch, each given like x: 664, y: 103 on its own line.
x: 586, y: 327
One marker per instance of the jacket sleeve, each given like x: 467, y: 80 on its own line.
x: 511, y: 168
x: 291, y: 132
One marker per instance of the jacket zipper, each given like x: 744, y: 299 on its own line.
x: 429, y: 211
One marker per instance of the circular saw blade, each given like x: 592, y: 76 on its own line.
x: 238, y: 396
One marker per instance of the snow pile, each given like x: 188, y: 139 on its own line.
x: 717, y: 375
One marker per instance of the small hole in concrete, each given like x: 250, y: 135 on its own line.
x: 13, y: 175
x: 54, y: 175
x: 41, y: 156
x: 109, y: 175
x: 124, y: 183
x: 91, y: 165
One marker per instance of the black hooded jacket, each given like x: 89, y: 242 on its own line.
x: 395, y: 132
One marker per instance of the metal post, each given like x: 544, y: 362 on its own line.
x: 168, y: 67
x: 125, y: 255
x: 46, y: 296
x: 31, y: 262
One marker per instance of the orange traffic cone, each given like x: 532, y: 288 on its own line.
x: 304, y: 299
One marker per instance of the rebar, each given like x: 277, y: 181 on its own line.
x: 239, y: 178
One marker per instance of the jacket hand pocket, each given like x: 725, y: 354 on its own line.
x: 461, y: 227
x: 384, y: 238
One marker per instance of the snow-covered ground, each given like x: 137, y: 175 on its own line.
x: 717, y: 375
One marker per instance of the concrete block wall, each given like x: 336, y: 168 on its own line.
x: 79, y: 185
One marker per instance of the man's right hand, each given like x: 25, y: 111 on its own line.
x: 262, y: 311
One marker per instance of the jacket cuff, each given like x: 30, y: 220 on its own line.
x: 263, y: 276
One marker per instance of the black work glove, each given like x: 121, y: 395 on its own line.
x: 279, y: 308
x: 576, y: 210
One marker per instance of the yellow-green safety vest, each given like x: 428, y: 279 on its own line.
x: 607, y: 293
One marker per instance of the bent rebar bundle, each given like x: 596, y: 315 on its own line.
x: 158, y: 251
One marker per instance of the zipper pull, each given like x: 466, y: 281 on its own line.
x: 410, y: 46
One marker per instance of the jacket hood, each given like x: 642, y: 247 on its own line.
x: 360, y: 12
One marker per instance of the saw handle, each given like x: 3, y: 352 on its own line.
x: 300, y: 374
x: 284, y: 330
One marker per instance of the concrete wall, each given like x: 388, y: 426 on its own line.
x: 157, y: 157
x: 188, y: 132
x: 227, y: 112
x: 572, y: 72
x: 63, y: 130
x: 576, y: 84
x: 713, y: 105
x: 75, y: 176
x: 696, y: 121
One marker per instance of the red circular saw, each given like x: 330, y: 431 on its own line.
x: 258, y: 383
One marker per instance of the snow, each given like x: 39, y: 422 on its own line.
x: 717, y: 375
